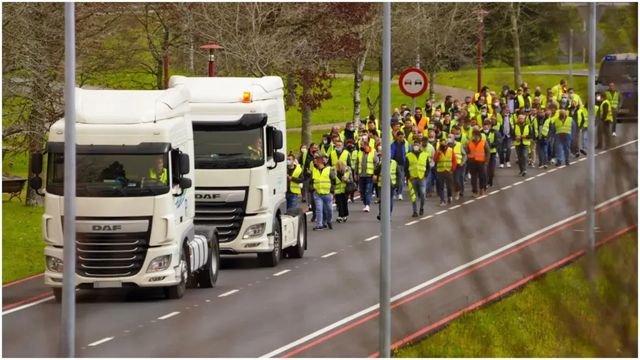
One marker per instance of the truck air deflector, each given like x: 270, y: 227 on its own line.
x: 246, y: 122
x: 142, y: 148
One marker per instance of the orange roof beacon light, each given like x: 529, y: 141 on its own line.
x: 246, y: 97
x: 211, y: 47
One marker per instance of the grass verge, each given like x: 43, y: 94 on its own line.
x: 554, y: 316
x: 22, y: 245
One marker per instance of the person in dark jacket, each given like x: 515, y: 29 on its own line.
x: 399, y: 154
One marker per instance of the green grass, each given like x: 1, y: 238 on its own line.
x: 554, y: 316
x: 22, y: 245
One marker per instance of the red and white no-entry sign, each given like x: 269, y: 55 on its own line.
x: 413, y: 82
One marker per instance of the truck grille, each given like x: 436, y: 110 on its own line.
x: 225, y: 216
x: 111, y: 254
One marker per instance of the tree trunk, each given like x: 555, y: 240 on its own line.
x: 432, y: 82
x: 358, y: 69
x: 35, y: 137
x: 159, y: 74
x: 291, y: 90
x: 192, y: 51
x: 306, y: 116
x: 517, y: 76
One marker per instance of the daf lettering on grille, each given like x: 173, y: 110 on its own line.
x: 106, y: 227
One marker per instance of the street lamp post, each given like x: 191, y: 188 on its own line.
x: 481, y: 14
x: 211, y: 47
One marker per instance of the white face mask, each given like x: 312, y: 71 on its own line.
x: 416, y: 148
x: 304, y: 149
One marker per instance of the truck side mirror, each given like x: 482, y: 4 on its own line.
x: 277, y: 139
x: 185, y: 183
x: 278, y: 157
x: 36, y: 163
x: 184, y: 164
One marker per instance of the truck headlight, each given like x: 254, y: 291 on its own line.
x: 54, y: 264
x: 254, y: 230
x: 160, y: 263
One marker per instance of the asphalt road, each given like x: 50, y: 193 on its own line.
x: 324, y: 305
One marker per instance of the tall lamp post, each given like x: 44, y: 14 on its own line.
x: 481, y: 13
x: 211, y: 47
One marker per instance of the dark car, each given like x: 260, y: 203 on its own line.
x: 622, y: 69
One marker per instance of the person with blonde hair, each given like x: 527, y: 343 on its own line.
x: 343, y: 179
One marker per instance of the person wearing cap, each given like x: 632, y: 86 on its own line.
x: 446, y: 163
x: 323, y: 183
x: 478, y: 152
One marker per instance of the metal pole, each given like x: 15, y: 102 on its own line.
x: 413, y: 99
x: 68, y: 334
x: 591, y: 219
x: 385, y: 204
x: 570, y: 57
x: 212, y: 71
x: 480, y: 39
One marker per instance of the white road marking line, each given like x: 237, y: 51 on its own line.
x: 430, y: 282
x: 372, y: 238
x: 494, y: 192
x: 468, y: 202
x: 208, y: 300
x: 329, y: 254
x: 18, y: 308
x: 583, y: 159
x: 102, y: 341
x: 578, y: 230
x: 505, y: 187
x: 411, y: 223
x: 552, y: 170
x: 441, y: 212
x: 518, y: 183
x: 602, y: 152
x: 541, y: 174
x: 228, y: 293
x: 562, y: 167
x: 481, y: 197
x: 426, y: 217
x: 454, y: 207
x: 529, y: 179
x: 282, y: 272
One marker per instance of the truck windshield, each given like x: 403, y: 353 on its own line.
x: 618, y: 71
x: 227, y: 149
x: 112, y: 175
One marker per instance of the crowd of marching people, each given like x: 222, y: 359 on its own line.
x: 440, y: 149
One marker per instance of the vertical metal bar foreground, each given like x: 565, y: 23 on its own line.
x: 591, y: 158
x: 571, y: 58
x: 385, y: 204
x: 413, y: 99
x: 68, y: 333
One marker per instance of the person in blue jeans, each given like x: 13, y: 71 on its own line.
x: 367, y: 161
x: 399, y: 149
x: 323, y: 183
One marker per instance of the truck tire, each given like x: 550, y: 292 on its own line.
x: 297, y: 251
x: 272, y: 258
x: 208, y: 276
x: 177, y: 291
x: 57, y: 294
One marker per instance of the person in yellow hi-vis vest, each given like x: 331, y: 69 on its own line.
x: 604, y: 117
x: 564, y: 126
x: 294, y: 181
x: 159, y: 171
x: 416, y: 166
x: 378, y: 179
x: 446, y: 164
x: 323, y: 182
x: 613, y: 96
x: 522, y: 139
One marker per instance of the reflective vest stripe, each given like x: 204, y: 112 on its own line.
x: 392, y: 172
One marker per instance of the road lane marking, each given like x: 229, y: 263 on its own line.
x: 329, y: 254
x: 541, y: 174
x: 228, y: 293
x: 441, y: 212
x: 468, y: 202
x: 529, y: 179
x: 583, y: 159
x: 518, y: 183
x: 454, y: 207
x: 102, y: 341
x: 494, y: 192
x: 481, y: 197
x: 562, y: 167
x: 372, y: 238
x: 432, y: 281
x: 506, y: 187
x: 426, y: 217
x: 208, y: 300
x: 282, y: 272
x: 18, y: 308
x: 552, y: 170
x: 411, y: 223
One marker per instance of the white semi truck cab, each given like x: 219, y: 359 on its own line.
x: 240, y: 173
x: 135, y: 201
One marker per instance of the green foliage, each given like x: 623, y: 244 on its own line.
x: 619, y: 25
x: 555, y: 316
x: 22, y: 245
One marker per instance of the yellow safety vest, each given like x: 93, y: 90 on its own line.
x: 392, y: 172
x: 154, y: 176
x: 344, y: 156
x: 457, y: 148
x: 609, y: 114
x: 322, y: 180
x: 524, y: 133
x: 544, y: 128
x: 296, y: 188
x: 417, y: 164
x: 614, y: 98
x: 341, y: 185
x: 369, y: 169
x: 564, y: 127
x: 444, y: 161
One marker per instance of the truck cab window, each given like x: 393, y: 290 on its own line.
x: 217, y: 148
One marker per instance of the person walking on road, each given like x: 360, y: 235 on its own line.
x: 492, y: 140
x: 478, y: 150
x: 339, y: 153
x: 323, y: 181
x: 563, y: 126
x: 446, y: 163
x: 522, y: 140
x: 604, y: 117
x: 542, y: 124
x: 294, y: 183
x: 455, y: 142
x: 367, y: 160
x: 504, y: 149
x: 417, y: 164
x: 377, y: 177
x: 613, y: 96
x: 344, y: 181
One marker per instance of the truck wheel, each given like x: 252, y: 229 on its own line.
x: 177, y: 291
x: 208, y: 276
x: 297, y: 251
x: 57, y: 294
x: 272, y: 258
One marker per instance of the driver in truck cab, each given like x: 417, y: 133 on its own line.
x: 255, y: 151
x: 159, y: 171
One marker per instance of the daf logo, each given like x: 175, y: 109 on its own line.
x: 207, y: 196
x: 106, y: 227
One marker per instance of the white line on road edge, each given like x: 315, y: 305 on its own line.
x: 329, y: 254
x: 26, y: 305
x: 229, y: 293
x: 426, y: 217
x: 425, y: 284
x: 541, y: 174
x: 441, y: 212
x: 454, y: 207
x: 96, y: 343
x: 529, y: 179
x: 372, y: 237
x: 282, y: 272
x: 583, y: 159
x: 494, y: 192
x: 552, y: 170
x: 518, y: 183
x: 562, y: 167
x: 468, y: 202
x: 164, y: 317
x: 411, y: 223
x: 481, y: 197
x: 506, y: 187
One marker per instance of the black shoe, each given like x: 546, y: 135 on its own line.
x: 524, y: 173
x: 313, y: 218
x: 304, y: 201
x: 378, y: 217
x: 577, y: 155
x: 421, y: 212
x: 449, y: 200
x: 344, y: 218
x: 567, y: 163
x: 339, y: 220
x: 329, y: 226
x: 318, y: 228
x: 415, y: 214
x: 584, y: 152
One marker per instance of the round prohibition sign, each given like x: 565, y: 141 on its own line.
x: 413, y: 82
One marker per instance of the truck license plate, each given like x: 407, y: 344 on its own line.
x: 107, y: 284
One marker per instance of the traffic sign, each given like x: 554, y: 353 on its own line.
x: 413, y: 82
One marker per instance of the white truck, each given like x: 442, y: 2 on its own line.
x: 241, y: 177
x: 134, y: 199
